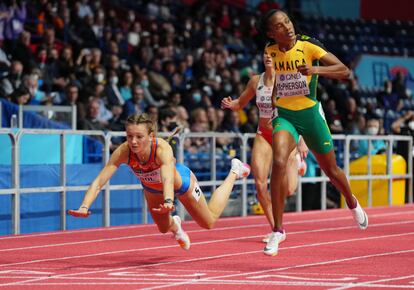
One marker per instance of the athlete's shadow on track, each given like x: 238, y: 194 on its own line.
x: 116, y: 261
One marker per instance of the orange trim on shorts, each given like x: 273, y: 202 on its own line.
x: 266, y: 134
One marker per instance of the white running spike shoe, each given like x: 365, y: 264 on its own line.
x: 181, y: 236
x: 272, y: 245
x: 301, y: 165
x: 360, y: 216
x: 241, y: 169
x: 267, y: 237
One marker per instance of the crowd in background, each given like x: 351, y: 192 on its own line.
x: 174, y: 60
x: 171, y: 59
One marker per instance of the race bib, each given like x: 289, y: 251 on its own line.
x: 291, y: 84
x: 150, y: 177
x: 197, y: 192
x: 265, y: 107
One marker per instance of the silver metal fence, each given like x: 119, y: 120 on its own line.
x: 46, y: 109
x: 16, y: 190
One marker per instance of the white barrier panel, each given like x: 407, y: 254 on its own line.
x: 244, y: 149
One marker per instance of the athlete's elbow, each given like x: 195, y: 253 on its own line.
x: 347, y: 73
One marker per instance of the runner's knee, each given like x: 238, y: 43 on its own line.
x: 261, y: 187
x: 208, y: 225
x: 163, y: 229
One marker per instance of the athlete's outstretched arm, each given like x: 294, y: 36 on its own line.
x: 165, y: 158
x: 245, y: 97
x: 119, y: 156
x: 332, y: 68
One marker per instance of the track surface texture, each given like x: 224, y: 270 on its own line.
x: 323, y: 250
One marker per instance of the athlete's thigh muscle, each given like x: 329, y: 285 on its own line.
x: 195, y: 203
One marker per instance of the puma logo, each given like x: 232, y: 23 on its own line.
x: 300, y: 50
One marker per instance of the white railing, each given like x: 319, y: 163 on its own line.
x: 16, y: 190
x: 46, y: 110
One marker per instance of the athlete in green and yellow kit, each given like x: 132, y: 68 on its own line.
x: 297, y: 60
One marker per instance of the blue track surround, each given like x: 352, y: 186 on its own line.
x: 40, y: 212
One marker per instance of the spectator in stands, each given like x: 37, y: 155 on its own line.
x: 231, y: 123
x: 350, y: 116
x: 388, y: 98
x: 112, y: 63
x: 144, y: 53
x: 66, y: 65
x: 23, y: 52
x: 116, y: 123
x: 48, y: 17
x: 134, y: 35
x: 266, y: 5
x: 125, y: 87
x: 299, y: 112
x: 84, y: 67
x: 49, y: 40
x: 112, y: 89
x: 377, y: 146
x: 198, y: 124
x: 83, y: 9
x: 399, y: 85
x: 91, y: 122
x: 159, y: 85
x: 85, y: 32
x: 105, y: 113
x: 333, y: 118
x: 53, y: 80
x: 252, y: 123
x: 167, y: 120
x: 153, y: 163
x: 193, y: 99
x: 20, y: 96
x: 71, y: 99
x: 12, y: 18
x: 182, y: 116
x: 213, y: 122
x: 353, y: 89
x: 4, y: 61
x: 98, y: 78
x: 38, y: 96
x: 145, y: 84
x: 12, y: 80
x: 404, y: 126
x: 96, y: 60
x: 199, y: 117
x: 152, y: 112
x: 337, y: 90
x: 136, y: 104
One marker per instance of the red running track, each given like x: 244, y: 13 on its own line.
x: 323, y: 250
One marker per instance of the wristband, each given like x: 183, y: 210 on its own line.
x: 168, y: 200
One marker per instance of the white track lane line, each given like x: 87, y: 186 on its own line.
x: 253, y: 217
x: 192, y: 244
x: 240, y: 254
x: 373, y: 282
x: 291, y: 267
x: 192, y: 231
x: 217, y: 283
